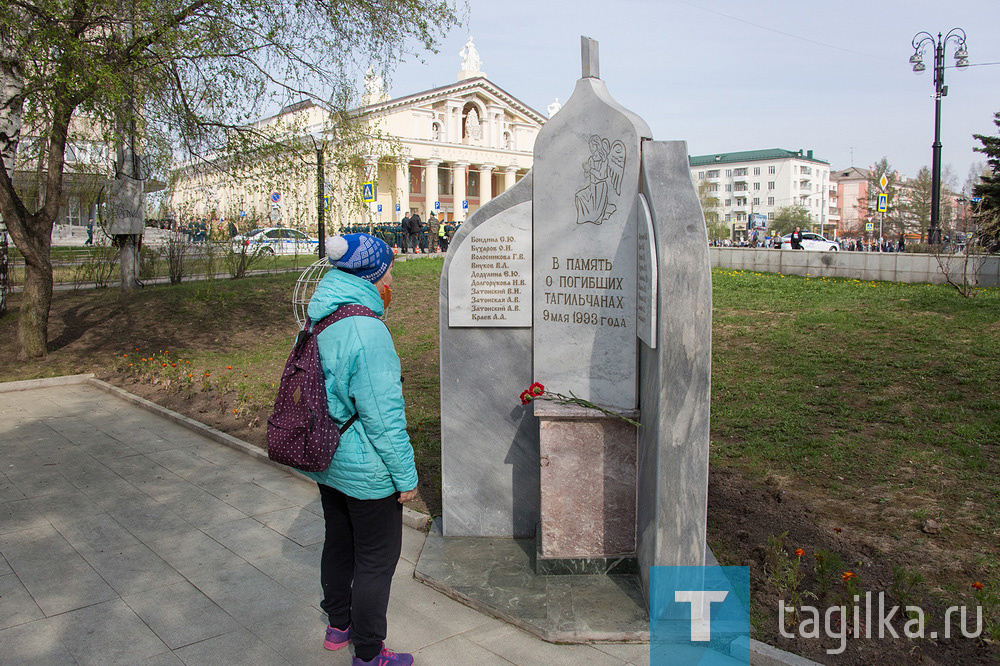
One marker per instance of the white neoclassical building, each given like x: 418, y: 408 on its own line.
x: 763, y: 181
x: 453, y: 148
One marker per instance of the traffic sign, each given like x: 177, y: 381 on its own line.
x: 465, y: 204
x: 326, y: 203
x: 368, y: 191
x: 437, y: 205
x: 380, y: 208
x: 883, y: 202
x: 397, y: 208
x: 976, y: 199
x: 243, y: 213
x: 275, y: 197
x: 869, y: 226
x: 883, y: 181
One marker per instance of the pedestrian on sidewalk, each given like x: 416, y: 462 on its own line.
x: 372, y: 473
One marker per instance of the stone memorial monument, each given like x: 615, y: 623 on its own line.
x: 591, y: 276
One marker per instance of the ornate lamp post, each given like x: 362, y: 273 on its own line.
x: 920, y: 41
x: 319, y: 143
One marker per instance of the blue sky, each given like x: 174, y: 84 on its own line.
x: 734, y: 75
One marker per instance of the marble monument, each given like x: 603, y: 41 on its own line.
x: 591, y: 276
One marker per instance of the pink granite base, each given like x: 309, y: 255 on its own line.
x: 588, y: 483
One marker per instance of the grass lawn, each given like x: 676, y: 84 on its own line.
x: 861, y: 418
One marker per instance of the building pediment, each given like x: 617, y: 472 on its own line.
x: 478, y: 90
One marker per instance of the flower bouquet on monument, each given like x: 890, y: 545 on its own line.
x: 537, y: 391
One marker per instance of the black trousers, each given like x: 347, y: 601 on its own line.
x: 362, y: 547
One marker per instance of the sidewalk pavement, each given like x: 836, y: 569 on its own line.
x: 126, y: 538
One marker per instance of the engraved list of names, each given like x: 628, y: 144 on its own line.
x: 489, y: 281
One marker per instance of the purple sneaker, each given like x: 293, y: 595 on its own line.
x: 337, y: 638
x: 386, y: 658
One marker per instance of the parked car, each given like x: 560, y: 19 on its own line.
x: 277, y: 240
x: 810, y: 241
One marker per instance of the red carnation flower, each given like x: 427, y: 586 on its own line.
x: 536, y: 389
x: 525, y: 397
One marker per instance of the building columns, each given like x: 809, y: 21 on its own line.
x: 402, y: 194
x: 486, y: 183
x: 431, y: 181
x: 459, y: 171
x: 509, y: 178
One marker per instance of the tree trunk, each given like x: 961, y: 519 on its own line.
x: 33, y: 324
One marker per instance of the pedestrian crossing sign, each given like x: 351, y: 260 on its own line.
x: 869, y: 226
x: 368, y: 191
x: 883, y: 203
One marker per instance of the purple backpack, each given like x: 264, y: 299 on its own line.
x: 300, y: 431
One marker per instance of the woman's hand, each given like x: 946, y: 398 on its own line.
x: 408, y: 496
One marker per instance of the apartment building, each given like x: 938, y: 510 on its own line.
x: 760, y: 182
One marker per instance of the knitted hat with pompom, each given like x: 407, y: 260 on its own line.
x: 359, y: 254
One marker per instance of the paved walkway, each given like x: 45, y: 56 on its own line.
x: 126, y: 538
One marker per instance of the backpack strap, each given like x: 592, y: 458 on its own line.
x: 343, y: 312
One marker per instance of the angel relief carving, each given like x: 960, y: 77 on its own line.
x: 604, y: 170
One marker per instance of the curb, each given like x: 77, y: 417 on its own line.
x: 28, y: 384
x: 756, y: 653
x: 411, y: 518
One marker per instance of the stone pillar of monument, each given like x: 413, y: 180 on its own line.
x: 431, y: 181
x: 459, y: 171
x: 509, y: 178
x: 485, y: 183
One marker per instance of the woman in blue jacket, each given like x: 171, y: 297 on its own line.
x: 372, y: 472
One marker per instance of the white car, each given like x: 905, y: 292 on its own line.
x: 277, y: 240
x: 810, y: 241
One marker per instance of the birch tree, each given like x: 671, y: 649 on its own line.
x: 188, y: 77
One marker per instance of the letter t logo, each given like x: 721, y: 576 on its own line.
x: 701, y: 614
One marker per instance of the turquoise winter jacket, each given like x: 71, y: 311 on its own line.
x: 362, y: 374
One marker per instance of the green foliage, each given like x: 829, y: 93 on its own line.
x: 988, y: 211
x: 185, y: 78
x: 787, y: 218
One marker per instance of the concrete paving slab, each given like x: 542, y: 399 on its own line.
x: 148, y: 520
x: 180, y: 614
x: 301, y: 526
x: 245, y: 593
x: 76, y: 585
x: 246, y: 496
x: 297, y: 635
x: 250, y: 539
x: 194, y: 552
x: 133, y: 570
x: 240, y: 646
x: 158, y: 601
x: 40, y: 548
x: 107, y: 633
x: 96, y: 534
x: 458, y: 651
x: 519, y: 648
x: 20, y: 515
x: 8, y: 492
x: 33, y: 644
x: 67, y: 508
x: 17, y: 607
x: 200, y: 508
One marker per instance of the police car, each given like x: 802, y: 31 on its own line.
x: 810, y: 241
x: 277, y: 240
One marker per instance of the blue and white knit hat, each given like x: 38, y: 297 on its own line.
x: 359, y: 254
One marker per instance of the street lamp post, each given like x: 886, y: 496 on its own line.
x: 319, y: 143
x: 920, y: 41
